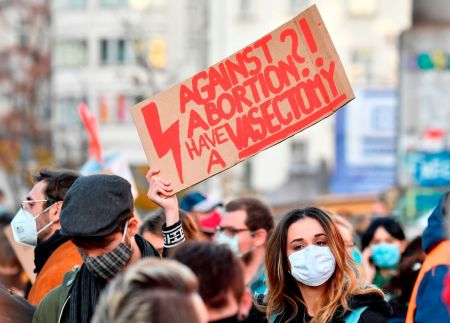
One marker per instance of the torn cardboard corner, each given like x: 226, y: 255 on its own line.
x: 268, y: 91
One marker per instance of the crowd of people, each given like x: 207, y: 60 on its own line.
x: 201, y: 260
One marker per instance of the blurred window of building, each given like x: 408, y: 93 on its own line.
x: 246, y: 10
x: 106, y: 51
x: 362, y: 8
x: 71, y: 4
x: 361, y: 66
x: 70, y: 53
x: 113, y: 3
x: 121, y: 51
x: 115, y: 51
x: 139, y: 5
x: 114, y: 108
x: 158, y: 4
x: 297, y: 6
x: 143, y: 5
x: 103, y: 104
x: 299, y: 151
x: 121, y: 108
x: 123, y: 104
x: 67, y: 110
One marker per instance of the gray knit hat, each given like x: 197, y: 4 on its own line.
x: 95, y: 206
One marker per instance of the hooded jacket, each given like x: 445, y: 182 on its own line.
x: 429, y: 303
x: 377, y: 311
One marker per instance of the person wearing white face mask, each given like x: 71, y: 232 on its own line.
x: 38, y: 218
x: 25, y: 224
x: 36, y: 224
x: 312, y: 278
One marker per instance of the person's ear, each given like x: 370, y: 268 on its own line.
x: 55, y: 211
x: 133, y: 226
x: 260, y: 237
x: 138, y: 217
x: 245, y: 305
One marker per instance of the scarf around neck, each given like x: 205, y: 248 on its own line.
x: 87, y: 288
x: 44, y: 250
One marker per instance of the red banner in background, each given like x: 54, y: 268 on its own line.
x: 90, y: 123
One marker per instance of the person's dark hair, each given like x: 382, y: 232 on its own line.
x: 389, y: 224
x: 154, y: 221
x: 5, y: 220
x: 259, y: 215
x: 402, y: 284
x: 58, y: 183
x: 217, y: 269
x: 152, y: 290
x: 7, y: 255
x: 9, y: 259
x: 446, y: 204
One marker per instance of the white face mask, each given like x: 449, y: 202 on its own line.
x: 24, y: 227
x: 232, y: 243
x: 313, y: 265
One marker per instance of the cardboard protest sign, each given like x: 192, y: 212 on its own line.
x: 268, y: 91
x: 24, y: 253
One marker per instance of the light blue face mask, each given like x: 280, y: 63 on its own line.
x: 232, y: 243
x: 386, y: 255
x: 356, y: 255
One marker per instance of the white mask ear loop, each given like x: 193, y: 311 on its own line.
x: 124, y: 232
x: 45, y: 227
x: 48, y: 224
x: 43, y: 211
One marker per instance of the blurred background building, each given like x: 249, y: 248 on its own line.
x: 112, y: 54
x: 423, y: 151
x: 301, y: 168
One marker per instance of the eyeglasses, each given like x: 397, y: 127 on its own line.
x: 25, y: 203
x: 230, y: 231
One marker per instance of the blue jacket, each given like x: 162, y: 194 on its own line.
x: 430, y: 307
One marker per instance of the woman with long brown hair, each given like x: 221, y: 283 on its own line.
x: 312, y: 278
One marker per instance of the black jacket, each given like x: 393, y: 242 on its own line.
x: 378, y: 310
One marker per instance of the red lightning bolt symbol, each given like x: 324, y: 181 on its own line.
x: 163, y: 141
